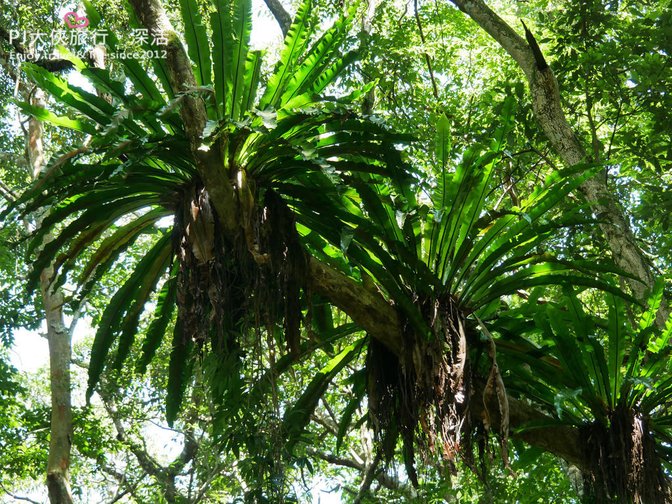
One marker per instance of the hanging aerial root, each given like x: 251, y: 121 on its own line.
x: 230, y: 285
x: 422, y: 397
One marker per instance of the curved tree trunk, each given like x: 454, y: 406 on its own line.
x: 548, y: 111
x: 61, y: 409
x: 620, y: 464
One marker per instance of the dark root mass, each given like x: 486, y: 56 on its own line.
x: 422, y: 397
x: 624, y: 465
x: 229, y: 289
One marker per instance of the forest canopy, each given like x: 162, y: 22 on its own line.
x: 354, y: 251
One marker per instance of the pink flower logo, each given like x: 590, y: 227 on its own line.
x: 74, y: 20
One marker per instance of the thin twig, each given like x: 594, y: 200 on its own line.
x: 17, y: 497
x: 427, y: 58
x: 613, y: 132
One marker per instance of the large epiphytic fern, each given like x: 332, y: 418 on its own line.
x: 288, y: 150
x: 609, y: 377
x: 298, y: 161
x: 455, y: 245
x: 449, y: 260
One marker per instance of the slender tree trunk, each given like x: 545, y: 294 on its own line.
x: 58, y: 338
x: 61, y: 409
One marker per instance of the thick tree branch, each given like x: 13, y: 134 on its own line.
x: 7, y: 193
x: 560, y: 440
x: 548, y: 111
x: 146, y: 462
x: 187, y: 454
x: 497, y: 28
x: 165, y: 477
x: 371, y: 311
x: 369, y: 475
x: 281, y: 15
x: 366, y: 306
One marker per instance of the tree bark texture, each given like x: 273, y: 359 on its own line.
x: 210, y: 164
x: 280, y: 14
x: 58, y: 338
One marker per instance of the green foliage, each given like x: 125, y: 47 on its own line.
x: 455, y: 245
x: 16, y: 308
x: 591, y: 366
x: 298, y: 417
x: 425, y: 221
x: 609, y: 62
x: 609, y: 379
x: 138, y: 169
x: 23, y: 428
